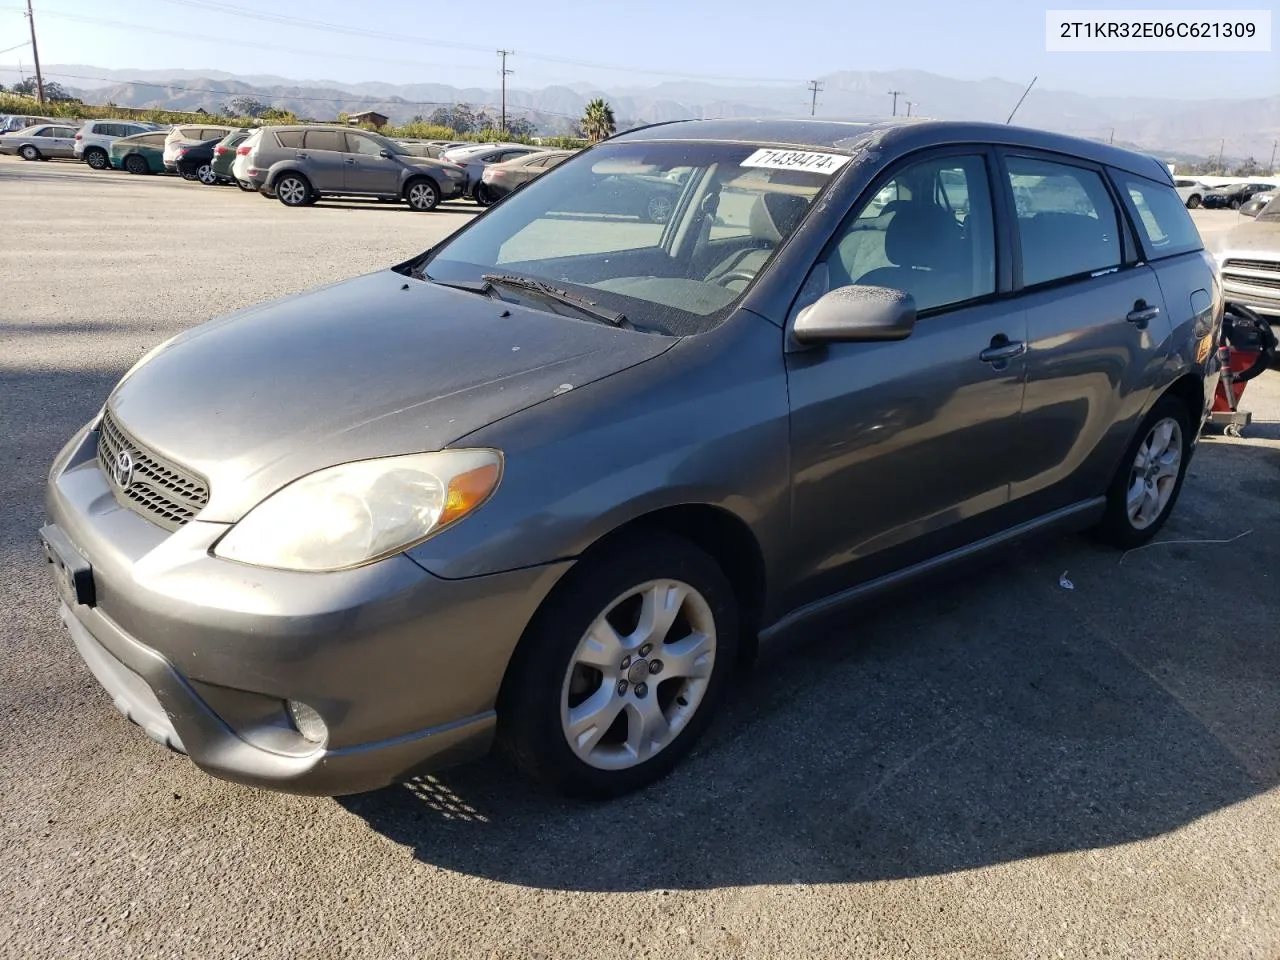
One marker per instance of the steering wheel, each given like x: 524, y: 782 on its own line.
x: 732, y: 275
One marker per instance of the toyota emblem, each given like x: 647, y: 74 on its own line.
x: 122, y: 470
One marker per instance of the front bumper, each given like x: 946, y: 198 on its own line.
x: 203, y: 653
x: 1265, y: 302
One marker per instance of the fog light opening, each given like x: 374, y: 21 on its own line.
x: 308, y: 722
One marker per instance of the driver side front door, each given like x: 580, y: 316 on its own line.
x: 902, y: 450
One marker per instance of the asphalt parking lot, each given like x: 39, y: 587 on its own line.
x: 991, y: 766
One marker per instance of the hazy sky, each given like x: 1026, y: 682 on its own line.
x: 610, y: 43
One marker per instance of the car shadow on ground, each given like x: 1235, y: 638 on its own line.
x: 1061, y: 697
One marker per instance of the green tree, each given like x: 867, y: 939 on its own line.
x: 1247, y: 168
x: 459, y: 117
x: 245, y: 106
x: 597, y: 121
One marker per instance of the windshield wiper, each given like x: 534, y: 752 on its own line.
x: 544, y: 289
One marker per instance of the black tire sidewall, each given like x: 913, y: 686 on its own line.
x: 529, y: 709
x: 1116, y: 527
x: 30, y: 153
x: 136, y: 165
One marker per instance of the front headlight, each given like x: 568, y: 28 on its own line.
x: 356, y: 513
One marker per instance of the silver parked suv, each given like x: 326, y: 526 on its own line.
x: 301, y: 164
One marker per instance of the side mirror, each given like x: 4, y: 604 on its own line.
x: 384, y: 152
x: 857, y: 313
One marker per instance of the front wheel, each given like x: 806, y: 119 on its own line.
x: 1235, y: 204
x: 622, y: 668
x: 1147, y: 484
x: 246, y: 187
x: 97, y: 159
x: 136, y: 164
x: 29, y: 152
x: 292, y: 190
x: 483, y: 195
x: 1193, y: 201
x: 422, y: 195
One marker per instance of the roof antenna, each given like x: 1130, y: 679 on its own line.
x: 1021, y: 98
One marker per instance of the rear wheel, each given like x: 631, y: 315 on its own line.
x: 1193, y: 201
x: 97, y: 158
x: 136, y: 164
x: 1147, y: 484
x: 29, y: 152
x: 622, y: 668
x: 1235, y: 203
x: 483, y: 196
x: 422, y: 195
x: 189, y: 174
x: 205, y: 174
x: 246, y: 187
x: 292, y: 190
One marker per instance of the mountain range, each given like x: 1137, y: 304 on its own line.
x: 1175, y: 128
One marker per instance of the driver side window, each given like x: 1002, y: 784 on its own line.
x: 928, y: 231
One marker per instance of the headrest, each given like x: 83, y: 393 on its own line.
x: 774, y: 215
x: 921, y: 235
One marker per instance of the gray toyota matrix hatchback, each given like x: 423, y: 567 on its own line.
x: 548, y: 482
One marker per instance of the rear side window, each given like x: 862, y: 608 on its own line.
x: 63, y: 132
x: 1163, y: 222
x: 290, y: 138
x: 1067, y: 222
x: 324, y: 140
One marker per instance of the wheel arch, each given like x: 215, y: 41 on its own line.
x: 413, y: 178
x: 284, y: 167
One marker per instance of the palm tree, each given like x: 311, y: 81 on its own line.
x: 597, y: 121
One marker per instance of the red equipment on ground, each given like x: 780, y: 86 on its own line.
x: 1248, y: 347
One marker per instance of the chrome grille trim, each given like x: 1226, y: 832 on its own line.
x: 161, y: 491
x: 1271, y: 265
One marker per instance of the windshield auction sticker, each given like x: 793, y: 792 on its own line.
x: 826, y: 163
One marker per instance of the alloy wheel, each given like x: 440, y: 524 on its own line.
x: 422, y: 196
x: 659, y: 209
x: 1154, y: 474
x: 96, y: 159
x: 30, y: 153
x: 206, y: 174
x: 638, y: 675
x: 291, y: 191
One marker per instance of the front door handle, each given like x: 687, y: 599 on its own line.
x: 301, y: 156
x: 1141, y: 314
x: 1002, y: 350
x: 350, y: 161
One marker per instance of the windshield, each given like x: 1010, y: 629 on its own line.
x: 668, y: 234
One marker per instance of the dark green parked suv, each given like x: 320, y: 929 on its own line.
x: 224, y: 154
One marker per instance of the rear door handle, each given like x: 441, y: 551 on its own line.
x: 302, y: 156
x: 1000, y: 352
x: 1141, y: 314
x: 350, y: 161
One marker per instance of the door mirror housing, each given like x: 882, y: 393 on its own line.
x: 384, y: 152
x: 857, y: 314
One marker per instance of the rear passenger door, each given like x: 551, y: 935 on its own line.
x: 323, y: 157
x: 1097, y: 328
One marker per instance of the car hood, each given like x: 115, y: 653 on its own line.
x: 375, y: 366
x: 1251, y: 237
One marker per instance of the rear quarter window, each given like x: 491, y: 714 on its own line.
x: 1164, y: 226
x: 292, y: 139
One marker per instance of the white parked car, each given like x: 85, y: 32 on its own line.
x: 240, y: 165
x: 1191, y: 191
x: 186, y: 134
x: 94, y: 139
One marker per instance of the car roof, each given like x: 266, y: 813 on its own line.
x: 899, y: 135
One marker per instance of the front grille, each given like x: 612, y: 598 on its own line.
x: 159, y: 490
x: 1272, y: 265
x: 1253, y: 280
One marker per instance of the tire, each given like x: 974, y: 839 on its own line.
x: 188, y: 174
x: 1235, y: 204
x: 205, y: 174
x: 246, y: 187
x: 1193, y: 201
x: 422, y: 195
x: 1119, y: 526
x: 292, y: 189
x: 483, y: 196
x: 136, y: 164
x: 97, y: 158
x: 546, y: 679
x: 30, y: 152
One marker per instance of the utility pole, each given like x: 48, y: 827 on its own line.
x: 815, y: 87
x: 910, y: 104
x: 505, y: 73
x: 1221, y: 147
x: 35, y: 53
x: 895, y: 94
x: 1271, y: 167
x: 1112, y: 138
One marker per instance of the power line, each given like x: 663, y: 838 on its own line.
x: 815, y: 87
x: 24, y: 43
x: 268, y: 17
